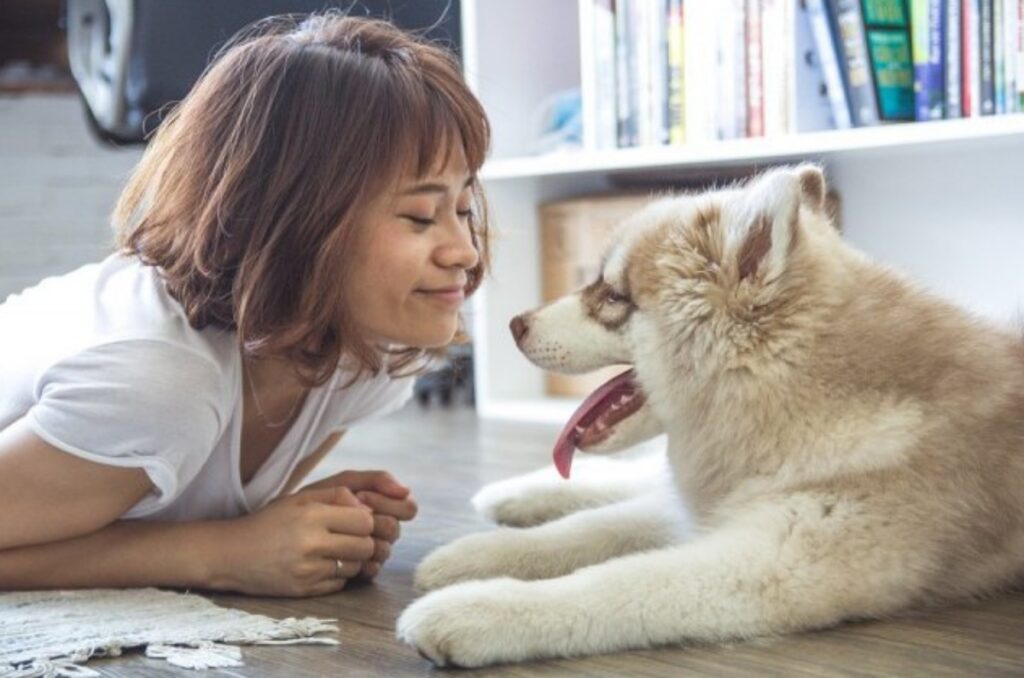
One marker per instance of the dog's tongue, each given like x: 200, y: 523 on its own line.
x: 586, y: 414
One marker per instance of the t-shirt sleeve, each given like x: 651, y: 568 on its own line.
x: 371, y: 399
x: 136, y: 404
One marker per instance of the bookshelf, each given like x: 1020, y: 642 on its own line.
x: 941, y: 200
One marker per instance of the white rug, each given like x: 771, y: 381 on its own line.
x: 51, y: 633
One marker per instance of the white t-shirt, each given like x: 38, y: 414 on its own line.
x: 102, y: 363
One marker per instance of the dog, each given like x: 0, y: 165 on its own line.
x: 841, y: 445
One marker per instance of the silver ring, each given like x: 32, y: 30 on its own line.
x: 337, y: 568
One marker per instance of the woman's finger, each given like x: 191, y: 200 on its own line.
x: 381, y: 551
x: 334, y: 568
x: 403, y: 509
x: 386, y: 527
x: 345, y: 519
x: 346, y: 548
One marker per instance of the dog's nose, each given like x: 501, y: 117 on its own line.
x: 519, y: 328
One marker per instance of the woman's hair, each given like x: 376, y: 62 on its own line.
x: 247, y: 196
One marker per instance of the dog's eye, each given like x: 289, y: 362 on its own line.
x: 614, y: 297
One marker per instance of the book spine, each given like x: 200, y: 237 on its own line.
x: 603, y: 78
x: 701, y: 78
x: 739, y: 58
x: 658, y: 56
x: 999, y: 54
x: 643, y: 69
x: 952, y: 55
x: 625, y: 127
x: 987, y: 85
x: 772, y: 69
x: 1020, y: 55
x: 755, y: 75
x: 825, y: 48
x: 926, y: 21
x: 845, y: 15
x: 725, y: 71
x: 676, y: 73
x: 887, y: 28
x: 588, y: 74
x: 1011, y: 23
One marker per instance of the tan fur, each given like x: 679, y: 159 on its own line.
x: 845, y: 444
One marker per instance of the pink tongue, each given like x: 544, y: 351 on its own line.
x: 565, y: 446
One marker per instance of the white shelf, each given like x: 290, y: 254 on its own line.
x: 756, y: 151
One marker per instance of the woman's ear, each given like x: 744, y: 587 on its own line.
x: 771, y: 225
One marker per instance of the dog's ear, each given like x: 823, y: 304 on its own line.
x: 769, y: 227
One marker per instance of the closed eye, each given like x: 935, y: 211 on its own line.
x: 421, y: 221
x: 430, y: 221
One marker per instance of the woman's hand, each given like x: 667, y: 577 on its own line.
x: 292, y: 546
x: 390, y: 502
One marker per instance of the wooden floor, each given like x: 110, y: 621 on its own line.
x: 445, y: 455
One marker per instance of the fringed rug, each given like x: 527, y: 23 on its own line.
x: 52, y: 633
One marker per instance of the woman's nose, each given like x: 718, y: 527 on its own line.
x: 459, y: 250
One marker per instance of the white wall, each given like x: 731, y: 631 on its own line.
x: 950, y: 216
x: 58, y: 186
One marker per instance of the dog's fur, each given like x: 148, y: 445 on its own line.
x: 845, y: 446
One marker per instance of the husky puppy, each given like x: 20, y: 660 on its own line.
x: 840, y: 445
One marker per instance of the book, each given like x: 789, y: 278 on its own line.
x: 987, y: 79
x: 597, y: 73
x: 701, y: 78
x: 755, y: 91
x: 848, y: 25
x: 952, y: 59
x: 999, y: 54
x: 828, y: 60
x: 887, y: 31
x: 809, y: 98
x: 625, y: 110
x: 676, y: 74
x: 927, y: 20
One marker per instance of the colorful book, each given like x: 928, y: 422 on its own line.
x: 887, y: 30
x: 847, y: 23
x: 927, y: 20
x: 828, y: 60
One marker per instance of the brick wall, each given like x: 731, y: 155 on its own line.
x: 58, y: 185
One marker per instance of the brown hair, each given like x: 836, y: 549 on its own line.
x: 247, y: 195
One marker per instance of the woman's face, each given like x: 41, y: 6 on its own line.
x: 412, y: 251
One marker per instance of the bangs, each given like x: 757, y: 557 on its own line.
x: 430, y: 119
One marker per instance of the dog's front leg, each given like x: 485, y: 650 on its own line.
x: 779, y: 572
x: 561, y: 546
x: 543, y: 495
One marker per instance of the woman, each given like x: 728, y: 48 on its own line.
x: 300, y: 234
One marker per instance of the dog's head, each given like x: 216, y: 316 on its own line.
x: 693, y: 289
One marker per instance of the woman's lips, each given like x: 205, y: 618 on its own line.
x: 446, y: 296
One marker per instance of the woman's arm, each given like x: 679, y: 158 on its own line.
x: 124, y: 554
x: 47, y: 494
x: 59, y: 527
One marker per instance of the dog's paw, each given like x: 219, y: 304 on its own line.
x: 509, y: 503
x: 472, y: 624
x: 477, y: 556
